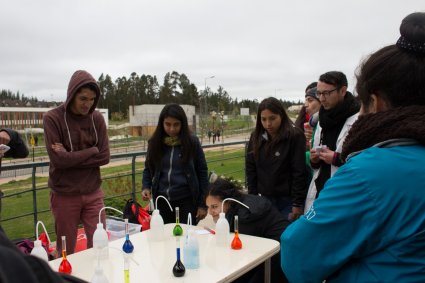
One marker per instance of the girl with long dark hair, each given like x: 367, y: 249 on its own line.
x: 175, y: 167
x: 275, y: 161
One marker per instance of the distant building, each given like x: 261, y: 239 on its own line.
x: 21, y: 118
x: 144, y: 118
x: 20, y: 103
x: 295, y: 108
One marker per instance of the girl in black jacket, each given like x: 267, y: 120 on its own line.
x: 275, y: 161
x: 261, y: 219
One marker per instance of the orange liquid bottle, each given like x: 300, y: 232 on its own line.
x: 65, y: 266
x: 236, y: 243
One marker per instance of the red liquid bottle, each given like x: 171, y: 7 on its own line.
x: 236, y: 243
x: 65, y: 266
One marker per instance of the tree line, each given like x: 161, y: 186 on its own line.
x: 119, y: 94
x: 9, y: 95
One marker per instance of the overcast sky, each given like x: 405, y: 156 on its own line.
x: 255, y: 49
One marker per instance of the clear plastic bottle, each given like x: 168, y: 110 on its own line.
x: 100, y: 242
x: 222, y: 230
x: 157, y: 223
x: 39, y: 251
x: 157, y: 226
x: 99, y: 276
x: 191, y: 251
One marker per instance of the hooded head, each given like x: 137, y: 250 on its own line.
x: 79, y: 80
x: 312, y: 92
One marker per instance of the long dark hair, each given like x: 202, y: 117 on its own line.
x: 286, y: 127
x: 156, y: 142
x: 223, y: 189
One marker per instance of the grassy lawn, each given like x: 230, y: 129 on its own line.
x: 116, y: 185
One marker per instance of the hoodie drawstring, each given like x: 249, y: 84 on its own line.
x: 67, y: 129
x: 95, y: 131
x: 69, y: 134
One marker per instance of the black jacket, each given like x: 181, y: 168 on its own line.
x: 262, y: 219
x: 280, y: 172
x: 18, y: 149
x: 196, y: 172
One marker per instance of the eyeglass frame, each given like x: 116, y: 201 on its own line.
x: 326, y: 93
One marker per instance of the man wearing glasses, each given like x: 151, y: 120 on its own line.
x: 337, y: 114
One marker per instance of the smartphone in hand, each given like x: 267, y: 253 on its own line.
x: 3, y: 149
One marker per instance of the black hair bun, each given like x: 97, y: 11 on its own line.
x: 412, y: 30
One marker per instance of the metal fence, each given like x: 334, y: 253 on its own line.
x: 33, y: 208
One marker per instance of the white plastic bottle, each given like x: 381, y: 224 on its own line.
x: 157, y: 226
x: 39, y: 251
x: 99, y: 276
x: 100, y: 242
x: 222, y: 230
x: 191, y: 251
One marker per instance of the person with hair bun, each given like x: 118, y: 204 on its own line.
x: 262, y: 219
x: 369, y: 219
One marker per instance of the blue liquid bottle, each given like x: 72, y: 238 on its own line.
x: 128, y: 246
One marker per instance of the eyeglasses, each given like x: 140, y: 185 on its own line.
x: 325, y: 93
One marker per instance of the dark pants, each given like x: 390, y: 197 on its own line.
x: 283, y: 204
x: 256, y: 275
x: 1, y: 196
x: 185, y: 206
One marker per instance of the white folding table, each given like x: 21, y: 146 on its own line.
x: 156, y: 259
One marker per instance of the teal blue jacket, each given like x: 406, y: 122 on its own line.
x: 368, y: 224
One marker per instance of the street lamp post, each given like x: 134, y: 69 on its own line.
x: 204, y: 113
x: 205, y: 93
x: 214, y: 116
x: 276, y: 90
x: 222, y: 136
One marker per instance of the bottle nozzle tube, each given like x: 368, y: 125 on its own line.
x: 222, y: 204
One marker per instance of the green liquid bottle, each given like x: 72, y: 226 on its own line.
x: 178, y: 230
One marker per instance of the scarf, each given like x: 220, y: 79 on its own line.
x: 332, y: 121
x: 172, y: 141
x: 396, y: 123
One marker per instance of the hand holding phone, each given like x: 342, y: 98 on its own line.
x: 318, y: 149
x: 3, y: 149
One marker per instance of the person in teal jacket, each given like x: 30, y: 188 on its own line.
x: 368, y: 223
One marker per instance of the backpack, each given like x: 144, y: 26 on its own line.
x: 136, y: 214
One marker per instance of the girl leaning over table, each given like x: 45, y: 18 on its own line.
x: 262, y: 219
